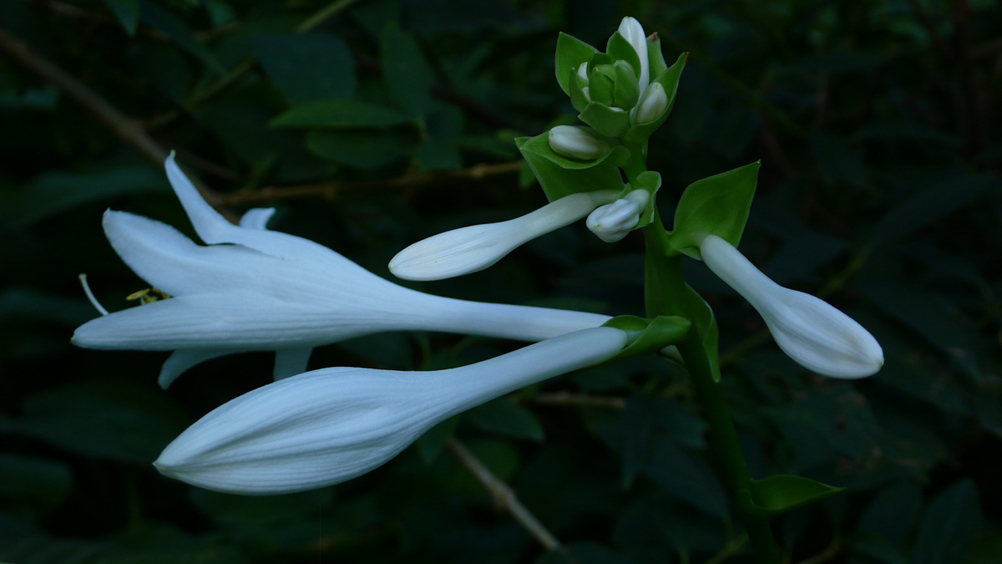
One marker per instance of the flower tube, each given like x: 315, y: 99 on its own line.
x: 809, y: 330
x: 476, y: 247
x: 327, y: 426
x: 254, y: 289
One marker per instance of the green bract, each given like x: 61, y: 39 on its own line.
x: 717, y: 205
x: 649, y: 335
x: 560, y: 176
x: 668, y: 78
x: 571, y: 52
x: 776, y: 495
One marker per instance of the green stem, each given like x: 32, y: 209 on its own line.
x: 665, y: 290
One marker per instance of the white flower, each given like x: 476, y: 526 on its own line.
x: 810, y: 331
x: 632, y: 31
x: 651, y: 105
x: 253, y: 289
x: 327, y: 426
x: 614, y: 221
x: 576, y: 142
x: 473, y: 248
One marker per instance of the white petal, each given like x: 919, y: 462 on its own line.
x: 257, y: 218
x: 477, y: 247
x: 328, y: 426
x: 576, y: 142
x: 289, y: 362
x: 180, y: 361
x: 632, y: 31
x: 812, y: 332
x: 614, y: 221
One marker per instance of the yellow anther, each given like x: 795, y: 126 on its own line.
x: 148, y: 295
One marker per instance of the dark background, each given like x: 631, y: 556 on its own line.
x: 875, y: 123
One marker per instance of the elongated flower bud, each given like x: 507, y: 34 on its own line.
x: 469, y: 249
x: 810, y: 331
x: 632, y: 31
x: 576, y: 143
x: 327, y: 426
x: 652, y: 104
x: 614, y: 221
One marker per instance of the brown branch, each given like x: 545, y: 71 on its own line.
x: 124, y: 127
x: 331, y: 189
x: 504, y: 496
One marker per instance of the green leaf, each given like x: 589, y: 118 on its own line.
x: 949, y: 525
x: 654, y: 334
x: 626, y: 91
x: 892, y: 514
x: 776, y: 495
x: 408, y: 76
x: 717, y: 205
x: 619, y: 49
x: 669, y: 80
x: 701, y: 315
x: 571, y: 52
x: 560, y: 176
x: 307, y: 66
x: 174, y: 27
x: 605, y: 120
x: 431, y: 444
x: 505, y: 417
x: 41, y: 481
x: 649, y: 180
x: 689, y: 479
x: 339, y: 114
x: 655, y: 57
x: 127, y: 13
x: 601, y: 86
x: 362, y: 149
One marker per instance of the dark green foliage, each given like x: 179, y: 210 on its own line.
x: 876, y: 124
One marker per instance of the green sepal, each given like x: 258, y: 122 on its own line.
x: 605, y: 120
x: 655, y: 57
x: 619, y: 49
x: 597, y: 60
x: 776, y: 495
x: 669, y: 80
x: 649, y: 180
x: 571, y: 52
x: 717, y: 205
x: 649, y: 335
x: 578, y: 99
x: 626, y: 90
x: 702, y: 317
x: 601, y: 84
x: 560, y: 176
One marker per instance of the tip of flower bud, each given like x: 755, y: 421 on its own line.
x: 612, y: 222
x: 576, y: 143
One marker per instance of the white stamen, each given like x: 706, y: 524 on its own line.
x: 90, y: 295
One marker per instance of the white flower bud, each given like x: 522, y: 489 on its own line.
x: 576, y: 143
x: 469, y: 249
x: 632, y: 31
x: 583, y: 74
x: 652, y: 104
x: 614, y: 221
x: 810, y: 331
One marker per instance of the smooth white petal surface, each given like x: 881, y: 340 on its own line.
x: 809, y: 330
x: 257, y: 218
x: 327, y: 426
x: 652, y: 104
x: 632, y: 31
x: 473, y: 248
x: 576, y: 142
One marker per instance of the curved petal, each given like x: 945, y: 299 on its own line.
x: 180, y: 361
x: 257, y: 218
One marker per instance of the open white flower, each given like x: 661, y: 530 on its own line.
x: 327, y: 426
x: 476, y: 247
x: 253, y: 289
x: 809, y: 330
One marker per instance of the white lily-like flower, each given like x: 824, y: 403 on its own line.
x: 632, y: 31
x: 651, y: 105
x: 576, y: 142
x: 476, y: 247
x: 809, y: 330
x: 253, y: 289
x: 614, y: 221
x: 327, y: 426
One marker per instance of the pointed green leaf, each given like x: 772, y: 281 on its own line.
x: 607, y: 121
x: 626, y: 91
x: 717, y: 205
x: 776, y: 495
x: 578, y: 99
x: 649, y: 180
x: 655, y: 57
x: 669, y: 80
x: 307, y: 66
x: 560, y: 176
x: 619, y: 49
x: 705, y: 323
x: 601, y: 86
x: 571, y: 52
x: 363, y: 149
x: 949, y: 525
x: 343, y: 113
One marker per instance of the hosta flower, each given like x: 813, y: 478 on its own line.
x: 810, y: 331
x: 473, y: 248
x: 614, y: 221
x: 254, y: 289
x: 327, y: 426
x: 652, y: 104
x: 576, y: 142
x: 632, y: 31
